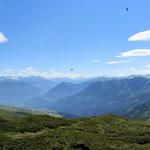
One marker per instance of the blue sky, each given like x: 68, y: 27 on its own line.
x: 48, y: 37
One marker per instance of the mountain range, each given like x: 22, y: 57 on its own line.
x: 87, y: 97
x: 15, y: 91
x: 62, y: 90
x: 106, y: 97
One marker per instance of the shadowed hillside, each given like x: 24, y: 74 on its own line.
x: 14, y: 92
x: 62, y: 90
x: 106, y: 97
x: 140, y: 112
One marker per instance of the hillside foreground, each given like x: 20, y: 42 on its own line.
x: 42, y: 132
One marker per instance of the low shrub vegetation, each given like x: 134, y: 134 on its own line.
x: 106, y: 132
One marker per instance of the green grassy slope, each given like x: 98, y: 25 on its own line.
x: 107, y: 132
x: 5, y: 112
x: 17, y: 112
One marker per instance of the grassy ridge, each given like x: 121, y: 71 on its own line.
x: 7, y: 112
x: 17, y: 112
x: 107, y: 132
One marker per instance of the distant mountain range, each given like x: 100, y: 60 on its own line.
x: 15, y: 91
x: 84, y: 97
x: 19, y: 91
x: 62, y: 90
x: 42, y: 83
x: 106, y: 96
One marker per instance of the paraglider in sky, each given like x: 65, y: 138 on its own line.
x: 71, y: 69
x: 127, y: 9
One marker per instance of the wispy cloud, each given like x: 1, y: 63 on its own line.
x: 96, y: 60
x: 140, y: 71
x: 9, y: 70
x: 117, y: 62
x: 141, y: 36
x: 3, y: 39
x: 148, y: 65
x: 51, y: 74
x: 136, y: 52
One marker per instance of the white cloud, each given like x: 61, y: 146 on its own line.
x: 136, y: 52
x: 9, y: 70
x: 117, y: 62
x: 96, y: 60
x: 148, y: 65
x: 28, y: 72
x: 141, y: 36
x: 132, y: 71
x: 3, y: 39
x: 51, y: 74
x: 139, y: 71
